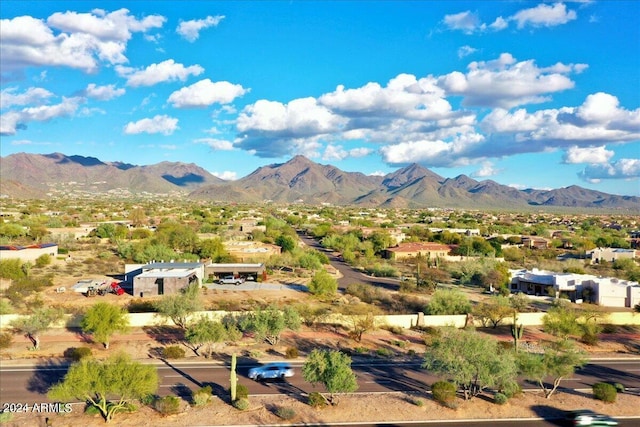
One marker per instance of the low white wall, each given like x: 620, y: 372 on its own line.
x: 138, y: 320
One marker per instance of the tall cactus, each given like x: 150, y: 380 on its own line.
x: 233, y: 378
x: 516, y: 330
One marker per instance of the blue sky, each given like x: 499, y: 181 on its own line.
x: 528, y: 94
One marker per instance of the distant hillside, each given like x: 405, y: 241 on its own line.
x: 57, y: 171
x: 298, y: 180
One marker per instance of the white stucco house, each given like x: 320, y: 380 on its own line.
x: 605, y: 291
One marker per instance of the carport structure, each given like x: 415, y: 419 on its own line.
x: 215, y: 271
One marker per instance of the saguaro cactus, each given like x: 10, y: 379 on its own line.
x: 516, y: 330
x: 233, y: 378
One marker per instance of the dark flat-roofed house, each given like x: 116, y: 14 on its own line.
x: 164, y: 278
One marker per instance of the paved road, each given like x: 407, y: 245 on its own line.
x: 349, y: 274
x: 28, y: 384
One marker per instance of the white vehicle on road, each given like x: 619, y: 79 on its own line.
x: 231, y: 280
x: 271, y: 371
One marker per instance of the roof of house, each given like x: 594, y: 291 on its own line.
x: 419, y: 246
x: 20, y: 248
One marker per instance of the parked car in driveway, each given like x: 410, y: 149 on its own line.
x: 271, y: 371
x: 231, y: 280
x: 586, y: 417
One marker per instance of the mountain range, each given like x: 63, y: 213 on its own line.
x: 25, y: 175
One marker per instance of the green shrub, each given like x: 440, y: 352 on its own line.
x: 242, y: 391
x: 91, y: 410
x: 141, y: 306
x: 399, y: 343
x: 173, y: 352
x: 397, y: 330
x: 291, y: 353
x: 5, y: 417
x: 149, y: 399
x: 411, y: 352
x: 316, y: 400
x: 5, y: 307
x: 444, y: 393
x: 6, y: 338
x: 43, y: 260
x: 619, y: 387
x: 77, y: 353
x: 202, y: 396
x: 167, y: 405
x: 605, y: 392
x: 418, y: 402
x: 384, y: 352
x: 361, y: 350
x: 500, y: 398
x: 241, y: 404
x: 285, y: 413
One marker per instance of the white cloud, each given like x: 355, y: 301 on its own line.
x: 33, y: 95
x: 337, y: 152
x: 165, y: 71
x: 467, y: 22
x: 598, y: 120
x: 517, y: 186
x: 190, y: 30
x: 116, y: 25
x: 591, y: 155
x: 499, y: 24
x: 11, y: 121
x: 226, y: 175
x: 216, y: 144
x: 303, y: 116
x: 466, y: 51
x: 103, y: 93
x: 544, y: 15
x: 81, y: 39
x: 159, y: 124
x: 377, y: 173
x: 486, y: 170
x: 205, y: 92
x: 433, y: 152
x: 621, y: 169
x: 506, y: 83
x: 404, y: 96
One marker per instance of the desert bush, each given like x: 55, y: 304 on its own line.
x: 242, y: 392
x: 605, y: 392
x: 316, y: 400
x: 77, y: 353
x: 241, y: 404
x: 291, y: 353
x: 5, y: 417
x: 589, y: 338
x: 141, y: 306
x: 202, y: 396
x: 173, y: 352
x: 6, y: 338
x: 91, y: 410
x: 43, y: 260
x: 5, y: 307
x: 167, y: 405
x: 149, y: 399
x: 384, y: 352
x: 285, y: 413
x: 444, y: 393
x: 619, y: 387
x: 500, y: 398
x: 397, y: 330
x: 418, y: 402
